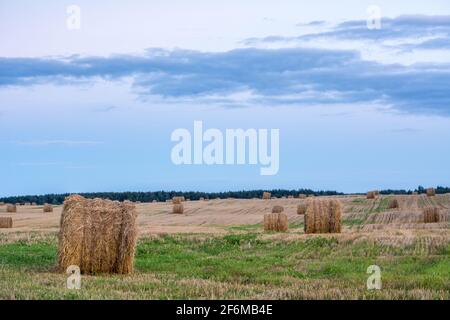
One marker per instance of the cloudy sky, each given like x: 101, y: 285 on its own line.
x: 93, y: 109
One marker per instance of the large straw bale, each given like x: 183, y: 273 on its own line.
x: 431, y: 215
x: 48, y: 208
x: 277, y: 209
x: 276, y: 222
x: 98, y: 236
x: 431, y: 192
x: 11, y: 208
x: 323, y: 216
x: 6, y: 222
x: 393, y: 204
x: 301, y: 208
x: 178, y: 208
x: 266, y: 195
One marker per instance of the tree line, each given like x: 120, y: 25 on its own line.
x: 57, y: 199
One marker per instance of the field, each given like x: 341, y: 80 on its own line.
x: 218, y: 250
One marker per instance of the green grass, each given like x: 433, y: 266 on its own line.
x: 244, y: 265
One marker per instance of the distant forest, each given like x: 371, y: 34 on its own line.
x: 57, y: 199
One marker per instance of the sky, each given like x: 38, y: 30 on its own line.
x: 92, y: 109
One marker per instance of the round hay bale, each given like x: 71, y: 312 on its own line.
x: 301, y: 208
x: 177, y: 200
x: 431, y: 215
x: 6, y: 222
x: 47, y: 208
x: 290, y: 197
x: 201, y: 199
x: 323, y: 216
x: 276, y: 222
x: 277, y: 209
x: 98, y: 236
x: 11, y: 208
x: 371, y: 195
x: 178, y: 208
x: 302, y: 196
x: 393, y: 204
x: 431, y: 192
x: 266, y: 196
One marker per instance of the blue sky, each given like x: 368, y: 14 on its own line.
x: 93, y: 109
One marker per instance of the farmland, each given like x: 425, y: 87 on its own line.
x: 217, y: 249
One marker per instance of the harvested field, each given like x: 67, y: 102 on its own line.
x: 218, y: 249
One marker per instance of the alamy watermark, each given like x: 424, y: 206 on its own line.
x: 73, y: 21
x: 374, y: 280
x: 373, y: 20
x: 74, y: 278
x: 234, y: 147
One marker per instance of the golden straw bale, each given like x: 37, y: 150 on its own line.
x: 266, y: 195
x: 371, y: 195
x: 301, y: 208
x: 290, y: 197
x: 323, y: 216
x: 277, y: 209
x: 11, y: 208
x: 178, y: 208
x: 302, y: 196
x: 98, y: 236
x: 177, y: 200
x: 276, y: 222
x: 431, y: 192
x: 6, y: 222
x: 431, y: 215
x: 393, y: 204
x: 48, y: 208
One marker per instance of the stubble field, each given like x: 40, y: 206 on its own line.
x: 218, y: 250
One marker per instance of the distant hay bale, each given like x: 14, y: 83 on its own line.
x: 431, y: 215
x: 178, y: 208
x: 154, y: 201
x: 276, y: 222
x: 393, y: 204
x: 177, y: 200
x: 266, y: 196
x: 2, y: 203
x: 11, y: 208
x: 311, y: 196
x: 34, y: 204
x: 301, y: 208
x: 6, y: 222
x: 98, y: 236
x: 302, y: 196
x: 48, y: 208
x: 431, y: 192
x: 323, y: 216
x: 371, y: 195
x: 415, y: 193
x: 290, y: 197
x: 201, y: 199
x: 277, y: 209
